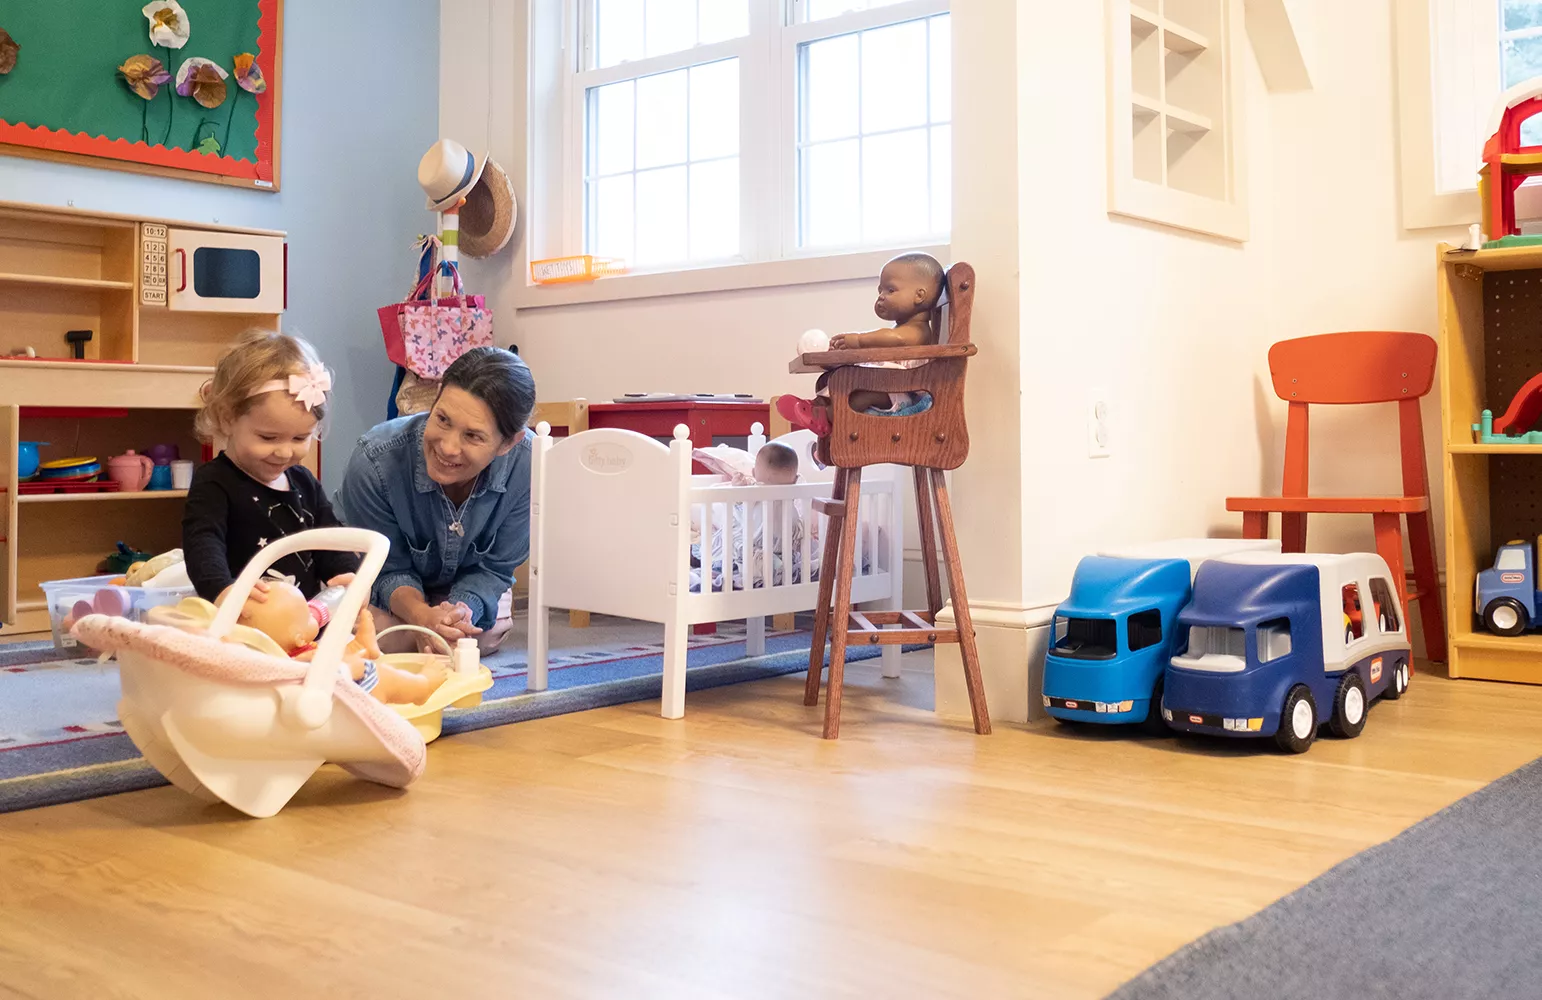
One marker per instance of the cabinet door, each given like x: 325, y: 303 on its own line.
x: 224, y: 272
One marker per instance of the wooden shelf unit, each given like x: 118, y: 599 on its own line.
x: 1490, y: 310
x: 66, y: 269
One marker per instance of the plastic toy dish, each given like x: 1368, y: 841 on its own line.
x: 27, y: 460
x: 463, y: 685
x: 72, y: 470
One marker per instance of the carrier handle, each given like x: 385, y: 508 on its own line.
x: 448, y: 649
x: 313, y: 706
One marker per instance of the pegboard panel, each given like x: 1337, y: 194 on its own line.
x: 1512, y: 355
x: 1512, y: 333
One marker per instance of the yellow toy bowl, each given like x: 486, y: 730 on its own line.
x: 462, y: 688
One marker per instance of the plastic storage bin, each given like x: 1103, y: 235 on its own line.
x: 129, y: 602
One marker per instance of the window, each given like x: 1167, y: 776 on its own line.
x: 1511, y: 559
x: 1085, y: 638
x: 1354, y: 617
x: 1173, y: 148
x: 1387, y: 617
x: 1455, y: 58
x: 1273, y: 640
x: 1218, y: 648
x: 725, y: 131
x: 1145, y: 629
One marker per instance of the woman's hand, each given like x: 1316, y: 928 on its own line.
x: 452, y: 621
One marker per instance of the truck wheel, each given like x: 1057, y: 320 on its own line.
x: 1154, y: 724
x: 1399, y: 682
x: 1298, y: 721
x: 1348, y: 707
x: 1505, y: 616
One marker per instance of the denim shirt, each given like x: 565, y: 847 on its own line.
x: 387, y: 489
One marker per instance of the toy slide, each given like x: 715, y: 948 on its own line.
x: 1525, y: 409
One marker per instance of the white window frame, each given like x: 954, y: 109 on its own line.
x: 767, y: 156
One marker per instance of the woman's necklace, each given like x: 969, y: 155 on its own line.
x: 457, y: 513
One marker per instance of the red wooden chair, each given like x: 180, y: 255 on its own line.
x: 1359, y: 367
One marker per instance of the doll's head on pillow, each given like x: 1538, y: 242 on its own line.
x: 776, y: 465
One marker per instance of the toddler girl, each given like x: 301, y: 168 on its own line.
x: 267, y: 401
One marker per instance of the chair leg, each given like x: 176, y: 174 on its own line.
x: 970, y: 654
x: 1427, y: 578
x: 1255, y: 524
x: 816, y: 650
x: 840, y: 612
x: 924, y: 513
x: 1389, y: 545
x: 1292, y: 532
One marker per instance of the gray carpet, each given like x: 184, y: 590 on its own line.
x: 1449, y: 909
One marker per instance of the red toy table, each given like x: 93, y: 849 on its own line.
x: 708, y: 421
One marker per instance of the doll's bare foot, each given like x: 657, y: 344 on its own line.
x: 404, y: 687
x: 804, y: 413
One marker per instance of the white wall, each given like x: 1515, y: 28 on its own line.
x: 350, y: 200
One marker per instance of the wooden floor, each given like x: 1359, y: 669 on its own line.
x: 613, y: 854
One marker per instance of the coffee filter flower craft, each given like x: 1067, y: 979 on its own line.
x: 8, y: 50
x: 143, y: 75
x: 249, y: 75
x: 203, y: 80
x: 168, y: 23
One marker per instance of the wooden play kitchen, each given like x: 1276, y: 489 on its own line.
x: 1490, y: 312
x: 126, y: 317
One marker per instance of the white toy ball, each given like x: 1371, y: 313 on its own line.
x: 813, y: 342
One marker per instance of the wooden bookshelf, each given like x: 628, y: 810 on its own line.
x: 65, y: 269
x: 1490, y: 309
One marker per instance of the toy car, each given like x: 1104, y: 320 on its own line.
x: 1277, y: 644
x: 1507, y: 598
x: 1116, y: 631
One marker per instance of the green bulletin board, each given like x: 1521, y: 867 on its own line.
x: 64, y: 99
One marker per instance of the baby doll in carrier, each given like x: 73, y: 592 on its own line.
x: 908, y: 290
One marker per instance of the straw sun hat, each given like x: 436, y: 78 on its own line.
x: 449, y: 172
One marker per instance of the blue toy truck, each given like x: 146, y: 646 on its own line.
x: 1507, y: 598
x: 1277, y: 644
x: 1115, y: 633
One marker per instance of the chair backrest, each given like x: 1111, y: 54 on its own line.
x: 1367, y: 366
x: 951, y: 317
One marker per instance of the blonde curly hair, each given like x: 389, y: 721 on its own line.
x: 258, y: 356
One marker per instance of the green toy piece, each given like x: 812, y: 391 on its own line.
x: 1484, y: 432
x: 121, y: 560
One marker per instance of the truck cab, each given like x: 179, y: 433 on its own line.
x: 1115, y: 633
x: 1507, y: 597
x: 1278, y: 644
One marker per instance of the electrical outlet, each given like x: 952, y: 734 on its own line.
x: 1099, y: 425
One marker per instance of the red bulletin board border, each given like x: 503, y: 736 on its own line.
x: 39, y: 142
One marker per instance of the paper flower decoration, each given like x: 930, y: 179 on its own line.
x: 8, y: 50
x: 249, y: 74
x: 143, y: 75
x: 168, y: 23
x: 203, y: 80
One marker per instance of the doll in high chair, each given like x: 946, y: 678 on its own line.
x: 908, y: 291
x: 286, y: 617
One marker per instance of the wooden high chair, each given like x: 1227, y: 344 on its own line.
x: 1359, y: 367
x: 929, y: 442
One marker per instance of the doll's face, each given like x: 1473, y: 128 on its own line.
x: 903, y: 291
x: 283, y: 617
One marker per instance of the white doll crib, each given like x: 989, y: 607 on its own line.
x: 610, y: 532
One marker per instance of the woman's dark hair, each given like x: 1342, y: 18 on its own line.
x: 498, y: 378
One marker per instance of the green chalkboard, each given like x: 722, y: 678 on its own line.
x: 64, y: 92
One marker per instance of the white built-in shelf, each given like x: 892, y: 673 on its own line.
x: 98, y: 497
x: 1178, y: 119
x: 1175, y: 36
x: 55, y: 281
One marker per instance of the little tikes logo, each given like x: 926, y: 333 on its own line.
x: 1197, y: 719
x: 1512, y: 577
x: 1376, y: 670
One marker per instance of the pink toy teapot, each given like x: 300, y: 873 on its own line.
x: 130, y: 470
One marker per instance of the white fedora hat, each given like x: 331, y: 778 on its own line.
x: 447, y: 172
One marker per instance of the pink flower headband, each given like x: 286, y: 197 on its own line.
x: 309, y: 388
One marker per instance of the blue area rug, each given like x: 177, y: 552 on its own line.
x: 100, y: 759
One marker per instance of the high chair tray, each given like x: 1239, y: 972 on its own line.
x: 818, y: 361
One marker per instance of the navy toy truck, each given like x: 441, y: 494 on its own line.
x: 1507, y: 598
x: 1117, y: 630
x: 1278, y: 644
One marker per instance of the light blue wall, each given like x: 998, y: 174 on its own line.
x: 361, y: 104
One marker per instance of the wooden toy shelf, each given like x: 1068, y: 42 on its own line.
x: 1490, y: 312
x: 158, y: 326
